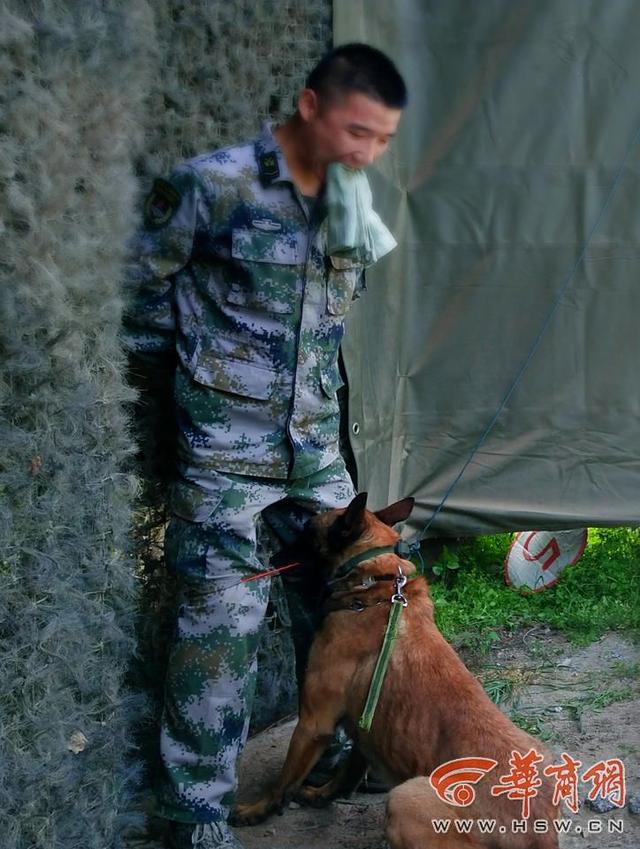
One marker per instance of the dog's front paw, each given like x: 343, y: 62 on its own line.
x: 252, y: 814
x: 314, y: 797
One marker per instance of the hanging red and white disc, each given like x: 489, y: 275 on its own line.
x: 536, y: 558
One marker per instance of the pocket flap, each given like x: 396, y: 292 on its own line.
x: 238, y: 377
x: 341, y: 263
x: 259, y: 246
x: 331, y: 380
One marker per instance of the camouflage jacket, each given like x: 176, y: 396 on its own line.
x: 230, y: 271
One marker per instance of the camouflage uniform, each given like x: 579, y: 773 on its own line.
x: 232, y: 274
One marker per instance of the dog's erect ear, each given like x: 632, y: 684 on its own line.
x: 355, y: 511
x: 348, y: 526
x: 398, y: 512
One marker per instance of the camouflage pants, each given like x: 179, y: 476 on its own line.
x: 212, y: 664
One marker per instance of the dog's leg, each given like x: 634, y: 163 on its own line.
x: 417, y: 818
x: 307, y: 744
x: 412, y: 810
x: 345, y: 781
x: 321, y: 709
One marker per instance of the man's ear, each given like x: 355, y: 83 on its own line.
x: 308, y: 105
x: 350, y: 524
x: 397, y: 512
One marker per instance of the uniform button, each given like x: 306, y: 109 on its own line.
x: 355, y: 428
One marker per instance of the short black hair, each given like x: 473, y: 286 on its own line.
x: 362, y: 68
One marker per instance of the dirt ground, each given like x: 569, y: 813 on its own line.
x: 586, y: 700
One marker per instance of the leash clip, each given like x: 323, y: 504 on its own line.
x: 398, y: 597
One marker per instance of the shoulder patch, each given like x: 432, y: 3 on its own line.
x: 161, y: 204
x: 268, y: 167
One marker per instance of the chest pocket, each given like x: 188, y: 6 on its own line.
x: 267, y: 270
x: 342, y: 277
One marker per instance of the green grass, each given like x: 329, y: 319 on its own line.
x: 595, y: 701
x: 503, y: 685
x: 627, y: 668
x: 533, y: 724
x: 600, y: 593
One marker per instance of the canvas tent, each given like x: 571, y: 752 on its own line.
x: 512, y: 188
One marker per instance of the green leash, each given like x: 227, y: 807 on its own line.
x: 398, y: 603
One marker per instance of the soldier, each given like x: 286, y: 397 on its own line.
x: 232, y: 274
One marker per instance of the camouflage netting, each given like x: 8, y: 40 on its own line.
x: 96, y: 99
x: 222, y: 68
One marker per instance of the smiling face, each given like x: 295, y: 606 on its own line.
x: 353, y: 129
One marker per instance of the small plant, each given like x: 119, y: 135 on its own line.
x: 503, y: 685
x: 627, y: 668
x: 446, y: 566
x: 595, y: 702
x: 533, y: 724
x: 500, y: 690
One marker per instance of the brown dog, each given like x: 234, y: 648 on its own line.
x: 431, y: 709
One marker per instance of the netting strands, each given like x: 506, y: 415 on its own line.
x: 67, y: 591
x: 223, y: 68
x: 87, y: 90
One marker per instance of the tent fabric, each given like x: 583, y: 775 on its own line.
x: 509, y: 154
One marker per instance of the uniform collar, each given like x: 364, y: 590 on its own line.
x: 272, y: 165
